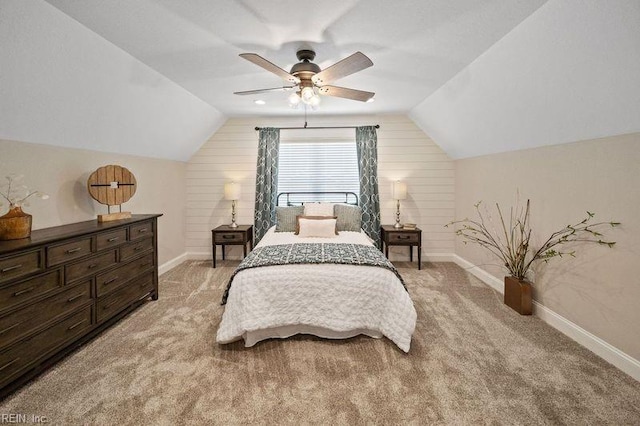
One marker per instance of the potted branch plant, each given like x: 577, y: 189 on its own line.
x: 511, y: 244
x: 16, y: 224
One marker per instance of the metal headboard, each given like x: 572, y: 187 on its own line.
x: 299, y: 198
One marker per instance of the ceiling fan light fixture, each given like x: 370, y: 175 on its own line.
x: 314, y: 101
x: 294, y: 100
x: 307, y: 94
x: 309, y: 80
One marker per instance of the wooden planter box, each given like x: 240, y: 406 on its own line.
x: 517, y: 295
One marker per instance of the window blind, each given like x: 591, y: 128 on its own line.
x: 318, y: 166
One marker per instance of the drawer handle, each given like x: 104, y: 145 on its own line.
x: 21, y: 292
x: 110, y: 281
x: 78, y: 296
x: 73, y: 250
x: 112, y: 239
x: 9, y: 364
x: 12, y: 268
x: 138, y: 248
x: 79, y: 323
x: 404, y: 237
x: 142, y: 265
x: 229, y: 237
x: 11, y: 327
x: 91, y: 266
x: 143, y: 230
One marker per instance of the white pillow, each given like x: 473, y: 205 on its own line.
x: 318, y: 209
x: 323, y: 228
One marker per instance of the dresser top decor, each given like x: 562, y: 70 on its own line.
x: 112, y: 185
x: 16, y: 224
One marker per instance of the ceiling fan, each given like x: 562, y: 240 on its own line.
x: 309, y: 80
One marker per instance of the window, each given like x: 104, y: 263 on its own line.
x: 318, y: 166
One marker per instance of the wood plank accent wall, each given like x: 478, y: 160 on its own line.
x: 404, y: 153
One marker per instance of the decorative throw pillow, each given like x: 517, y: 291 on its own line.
x: 286, y: 218
x: 349, y: 217
x: 318, y: 209
x: 316, y: 226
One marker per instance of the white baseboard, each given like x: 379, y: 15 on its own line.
x: 604, y: 350
x: 436, y: 257
x: 169, y: 265
x: 479, y: 273
x: 192, y: 255
x: 609, y: 353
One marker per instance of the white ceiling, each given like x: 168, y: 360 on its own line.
x: 570, y: 72
x: 416, y: 45
x: 156, y: 77
x: 62, y: 84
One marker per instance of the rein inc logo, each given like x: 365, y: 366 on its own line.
x: 17, y: 418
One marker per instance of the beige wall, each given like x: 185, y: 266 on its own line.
x: 63, y: 174
x: 600, y: 289
x: 404, y: 153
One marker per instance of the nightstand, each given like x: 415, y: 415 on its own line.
x: 391, y: 236
x: 225, y: 235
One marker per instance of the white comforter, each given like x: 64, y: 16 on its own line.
x: 327, y: 300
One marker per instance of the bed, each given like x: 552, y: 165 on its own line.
x: 333, y: 287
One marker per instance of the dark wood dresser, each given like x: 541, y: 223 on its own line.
x: 65, y: 284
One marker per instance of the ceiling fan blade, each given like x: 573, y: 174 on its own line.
x: 343, y: 92
x: 257, y: 91
x: 262, y: 62
x: 349, y: 65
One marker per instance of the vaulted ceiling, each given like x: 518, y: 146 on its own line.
x: 479, y: 77
x: 416, y: 46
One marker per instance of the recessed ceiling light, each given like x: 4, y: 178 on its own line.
x: 259, y: 102
x: 371, y: 100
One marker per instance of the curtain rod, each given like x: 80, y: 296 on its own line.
x: 377, y: 126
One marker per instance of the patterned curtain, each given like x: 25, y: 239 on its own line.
x: 367, y: 146
x: 266, y: 181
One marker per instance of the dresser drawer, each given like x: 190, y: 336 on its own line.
x: 69, y: 251
x: 19, y: 356
x: 111, y: 239
x: 109, y: 281
x: 135, y: 248
x: 29, y: 289
x: 403, y: 237
x: 119, y: 299
x: 22, y: 322
x: 90, y: 266
x: 20, y: 266
x: 229, y: 237
x: 140, y: 230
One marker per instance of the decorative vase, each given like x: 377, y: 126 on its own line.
x: 517, y: 295
x: 15, y: 225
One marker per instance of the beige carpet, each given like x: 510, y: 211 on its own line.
x: 472, y: 361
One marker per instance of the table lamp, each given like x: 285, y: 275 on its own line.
x: 399, y: 193
x: 232, y: 192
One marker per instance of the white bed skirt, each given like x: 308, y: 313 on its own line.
x: 253, y: 337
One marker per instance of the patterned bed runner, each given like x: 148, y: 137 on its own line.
x: 313, y: 253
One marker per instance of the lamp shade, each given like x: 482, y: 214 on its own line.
x: 399, y: 190
x: 231, y: 191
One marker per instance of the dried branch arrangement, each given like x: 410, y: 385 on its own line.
x: 511, y: 241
